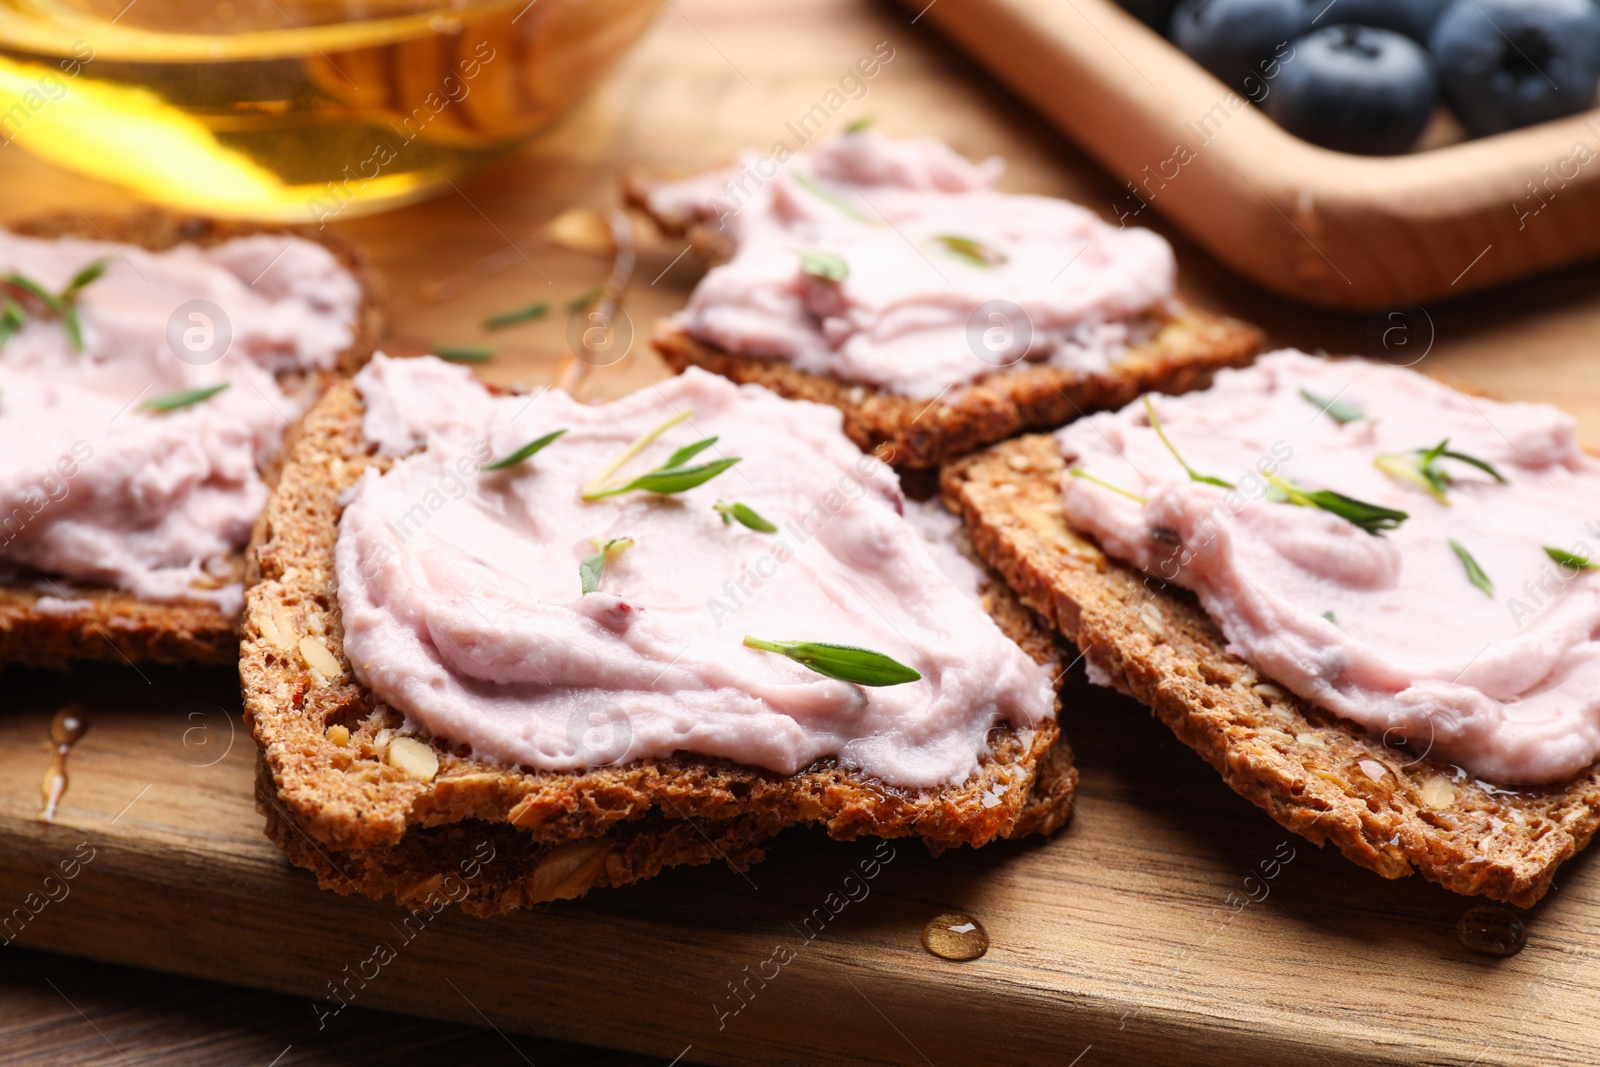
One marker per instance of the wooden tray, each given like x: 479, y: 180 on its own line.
x: 1327, y: 228
x: 1170, y: 923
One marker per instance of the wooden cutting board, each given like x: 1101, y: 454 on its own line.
x: 1148, y: 932
x: 1171, y: 922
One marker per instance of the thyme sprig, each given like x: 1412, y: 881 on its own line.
x: 181, y: 399
x: 744, y: 515
x: 1194, y: 475
x: 825, y: 265
x: 1571, y: 560
x: 847, y: 663
x: 1079, y: 472
x: 522, y: 453
x: 464, y: 353
x: 1421, y: 468
x: 971, y: 251
x: 1475, y: 573
x: 62, y: 305
x: 673, y: 476
x: 812, y: 186
x: 1338, y: 410
x: 536, y: 310
x: 593, y: 567
x: 1372, y: 518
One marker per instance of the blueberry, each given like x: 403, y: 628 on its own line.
x: 1414, y: 18
x: 1509, y: 63
x: 1355, y: 89
x: 1235, y: 39
x: 1156, y: 13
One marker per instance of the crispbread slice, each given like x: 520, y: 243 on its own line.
x: 1185, y: 350
x: 108, y: 624
x: 329, y: 799
x: 1317, y: 775
x: 917, y: 434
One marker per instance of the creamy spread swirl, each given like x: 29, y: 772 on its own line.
x: 462, y: 603
x: 96, y: 488
x: 948, y: 280
x: 1390, y: 630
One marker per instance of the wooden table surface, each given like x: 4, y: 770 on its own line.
x: 713, y: 76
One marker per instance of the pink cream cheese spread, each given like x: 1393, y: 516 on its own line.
x: 97, y: 488
x: 1454, y: 634
x: 463, y: 606
x: 946, y: 279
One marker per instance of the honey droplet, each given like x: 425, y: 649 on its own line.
x: 954, y: 936
x: 66, y: 729
x: 1491, y: 932
x: 68, y: 725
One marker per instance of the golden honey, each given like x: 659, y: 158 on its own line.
x: 295, y: 110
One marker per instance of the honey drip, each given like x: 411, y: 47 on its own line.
x: 66, y: 729
x: 1491, y: 932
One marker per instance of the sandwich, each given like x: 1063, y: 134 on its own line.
x: 150, y: 365
x: 1366, y: 598
x: 895, y: 282
x: 595, y: 641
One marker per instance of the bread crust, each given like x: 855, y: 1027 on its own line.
x: 343, y: 799
x: 110, y: 624
x: 1320, y: 776
x: 908, y: 432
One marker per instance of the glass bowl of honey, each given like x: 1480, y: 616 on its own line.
x: 296, y: 110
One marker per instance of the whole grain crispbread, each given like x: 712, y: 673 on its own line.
x: 1325, y: 779
x: 48, y: 622
x: 1184, y: 350
x: 913, y: 433
x: 329, y: 799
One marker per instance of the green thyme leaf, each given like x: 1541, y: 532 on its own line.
x: 1155, y: 424
x: 1475, y: 573
x: 857, y: 125
x: 63, y: 305
x: 974, y: 253
x: 84, y: 277
x: 824, y: 265
x: 1372, y: 518
x: 1421, y: 468
x: 72, y: 326
x: 182, y: 399
x: 1337, y: 410
x: 667, y: 480
x: 12, y: 318
x: 593, y: 567
x: 671, y: 477
x: 522, y: 453
x: 583, y: 300
x: 511, y: 318
x: 1571, y: 560
x: 1484, y: 465
x: 847, y: 663
x: 810, y: 185
x: 35, y: 290
x: 1079, y: 472
x: 458, y: 354
x: 1329, y: 616
x: 688, y: 452
x: 745, y: 515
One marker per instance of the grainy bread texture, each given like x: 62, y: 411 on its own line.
x: 1185, y: 350
x: 341, y: 801
x: 1383, y: 807
x: 109, y: 624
